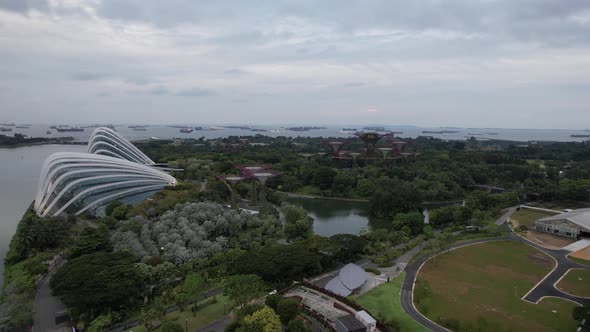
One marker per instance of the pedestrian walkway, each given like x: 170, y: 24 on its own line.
x: 578, y: 245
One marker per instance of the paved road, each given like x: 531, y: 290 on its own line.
x: 46, y: 306
x: 546, y: 286
x: 506, y: 215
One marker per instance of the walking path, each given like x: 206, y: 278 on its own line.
x: 47, y: 306
x: 578, y: 245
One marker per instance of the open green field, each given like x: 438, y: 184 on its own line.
x: 385, y: 301
x: 479, y: 288
x: 579, y: 260
x: 576, y: 282
x: 203, y: 317
x: 528, y: 217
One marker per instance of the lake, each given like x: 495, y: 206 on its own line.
x: 333, y: 217
x: 19, y: 173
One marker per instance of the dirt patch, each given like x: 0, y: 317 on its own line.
x: 547, y: 240
x: 582, y: 253
x: 541, y: 258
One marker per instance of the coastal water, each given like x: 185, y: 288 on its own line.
x: 19, y: 172
x: 167, y: 132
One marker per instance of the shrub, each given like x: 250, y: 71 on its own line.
x: 372, y: 270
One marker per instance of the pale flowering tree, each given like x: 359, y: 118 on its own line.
x: 187, y: 232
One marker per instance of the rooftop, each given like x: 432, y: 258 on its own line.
x: 580, y: 217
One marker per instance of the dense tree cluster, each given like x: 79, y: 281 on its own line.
x: 191, y: 231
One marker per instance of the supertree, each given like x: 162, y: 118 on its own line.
x: 336, y: 146
x: 230, y: 181
x: 248, y: 171
x: 370, y: 139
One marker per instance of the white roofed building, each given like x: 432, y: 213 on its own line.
x: 573, y: 224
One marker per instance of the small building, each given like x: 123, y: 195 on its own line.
x: 572, y: 224
x: 350, y: 278
x: 367, y: 320
x: 349, y: 323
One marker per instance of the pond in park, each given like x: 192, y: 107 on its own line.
x: 345, y: 217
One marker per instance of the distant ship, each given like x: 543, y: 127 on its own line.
x: 258, y: 129
x: 432, y: 132
x: 23, y: 127
x: 491, y: 133
x: 68, y: 129
x: 186, y: 130
x: 350, y: 131
x: 215, y: 128
x: 140, y: 129
x: 48, y: 132
x: 375, y: 128
x: 450, y: 131
x: 5, y: 129
x: 580, y: 136
x: 276, y: 131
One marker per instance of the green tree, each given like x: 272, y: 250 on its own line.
x: 96, y: 283
x: 194, y: 284
x: 297, y: 325
x: 582, y: 314
x: 242, y: 288
x: 91, y: 240
x: 394, y: 196
x: 273, y: 301
x: 101, y: 322
x: 263, y: 320
x: 112, y: 206
x: 414, y: 220
x: 323, y: 177
x: 287, y: 309
x: 170, y: 326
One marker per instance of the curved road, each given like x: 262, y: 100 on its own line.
x: 544, y: 288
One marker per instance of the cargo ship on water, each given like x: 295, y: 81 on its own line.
x: 580, y: 135
x: 348, y: 131
x: 68, y: 129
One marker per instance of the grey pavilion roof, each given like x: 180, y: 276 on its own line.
x: 580, y: 217
x: 350, y: 277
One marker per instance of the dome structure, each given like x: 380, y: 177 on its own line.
x: 74, y: 183
x: 350, y: 278
x: 107, y: 142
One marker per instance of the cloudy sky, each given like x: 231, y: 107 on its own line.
x: 484, y: 63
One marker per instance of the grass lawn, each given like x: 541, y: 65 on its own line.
x: 203, y: 317
x: 480, y: 287
x: 576, y: 282
x: 385, y: 300
x: 528, y: 217
x: 579, y: 260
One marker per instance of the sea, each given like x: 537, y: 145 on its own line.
x: 20, y: 167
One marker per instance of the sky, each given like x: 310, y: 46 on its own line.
x: 473, y: 63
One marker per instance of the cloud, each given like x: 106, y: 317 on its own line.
x: 464, y: 62
x: 88, y: 76
x: 195, y: 92
x: 158, y: 91
x: 234, y: 71
x: 23, y: 6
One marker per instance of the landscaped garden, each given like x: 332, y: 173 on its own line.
x: 576, y: 282
x: 480, y: 287
x: 384, y: 301
x: 201, y: 318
